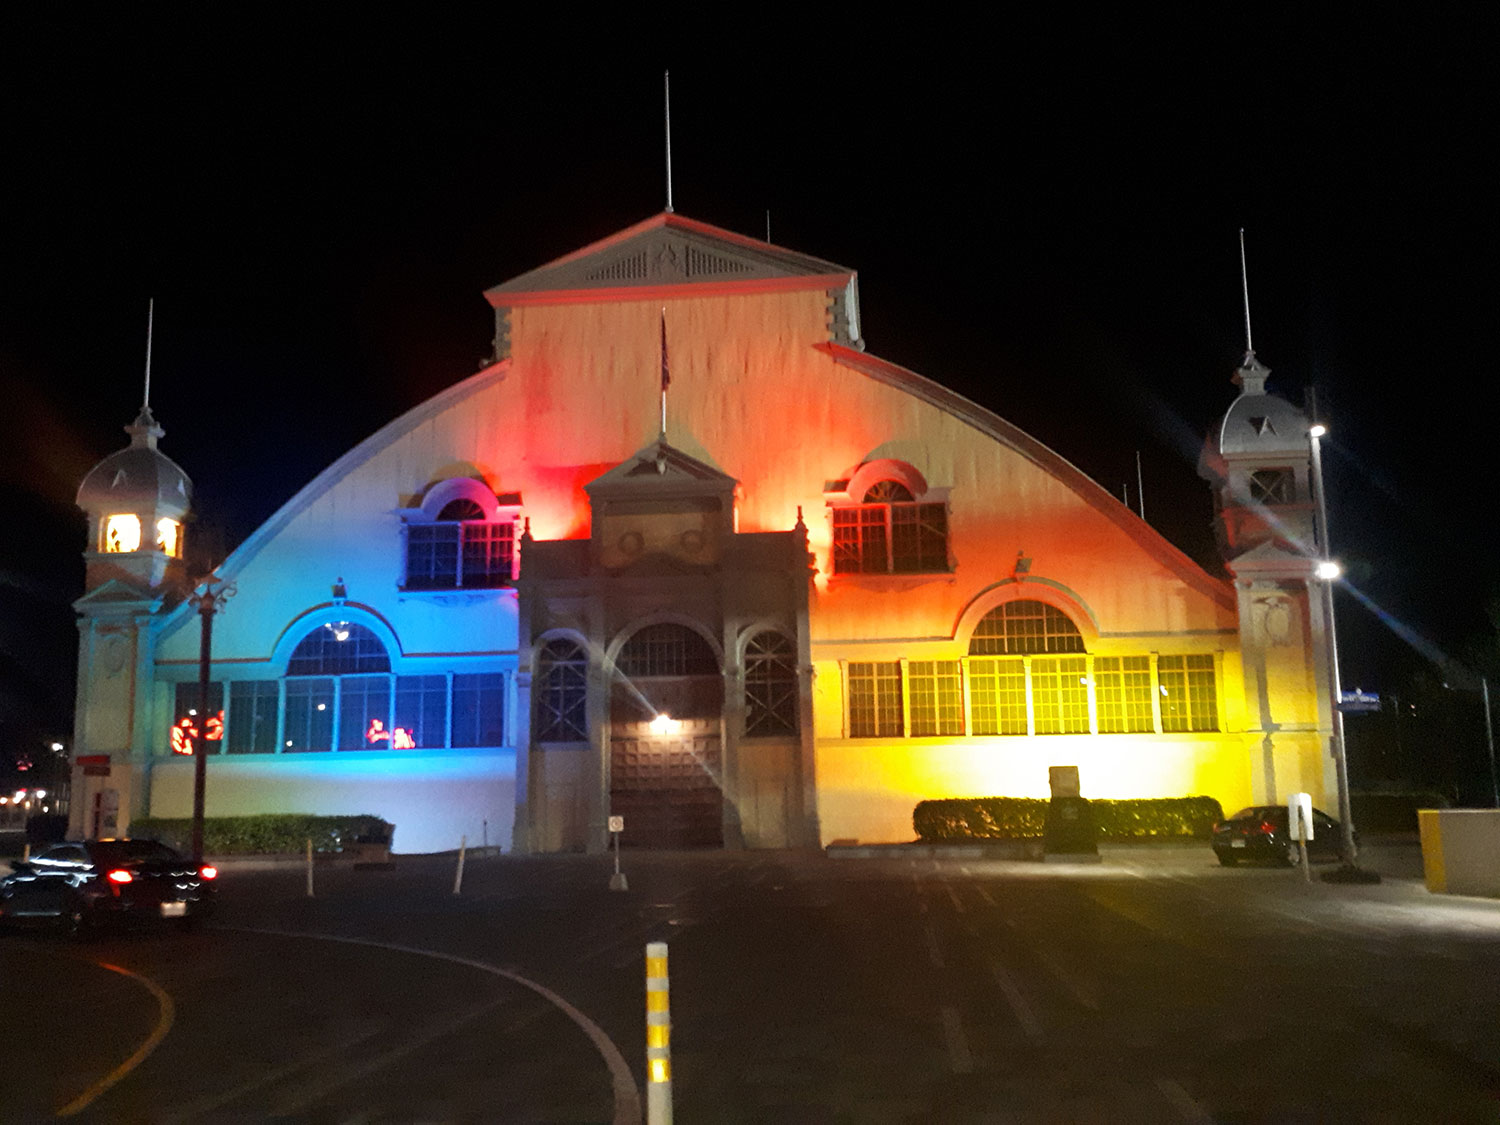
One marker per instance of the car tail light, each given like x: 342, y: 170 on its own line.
x: 1266, y: 828
x: 120, y: 875
x: 209, y: 871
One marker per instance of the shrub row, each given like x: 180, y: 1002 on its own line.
x: 1011, y: 818
x: 267, y: 834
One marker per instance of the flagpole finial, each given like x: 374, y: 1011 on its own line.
x: 666, y: 80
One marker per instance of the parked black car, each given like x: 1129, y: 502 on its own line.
x: 1261, y: 832
x: 83, y: 884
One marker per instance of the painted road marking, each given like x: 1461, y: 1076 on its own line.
x: 194, y: 1110
x: 984, y: 893
x: 166, y: 1013
x: 1023, y: 1013
x: 960, y: 1058
x: 1083, y: 995
x: 627, y: 1098
x: 957, y: 902
x: 1183, y: 1102
x: 934, y: 951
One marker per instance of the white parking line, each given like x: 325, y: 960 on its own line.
x: 626, y: 1097
x: 934, y: 951
x: 1183, y: 1102
x: 1023, y: 1013
x: 960, y: 1059
x: 958, y: 903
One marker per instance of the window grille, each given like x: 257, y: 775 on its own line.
x: 890, y: 533
x: 560, y: 691
x: 997, y: 695
x: 667, y: 650
x: 937, y: 699
x: 1060, y: 695
x: 338, y: 648
x: 771, y: 699
x: 875, y: 700
x: 1122, y: 690
x: 1273, y: 486
x: 478, y: 709
x: 254, y: 706
x: 471, y: 554
x: 1024, y: 627
x: 1189, y: 695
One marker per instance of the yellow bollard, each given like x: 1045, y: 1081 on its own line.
x: 658, y: 1037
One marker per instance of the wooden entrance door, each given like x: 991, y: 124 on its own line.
x: 667, y: 786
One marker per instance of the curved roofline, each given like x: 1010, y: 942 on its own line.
x: 1229, y: 413
x: 241, y: 556
x: 993, y: 426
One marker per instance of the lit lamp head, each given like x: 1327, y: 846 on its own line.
x: 1317, y: 430
x: 664, y: 725
x: 1327, y: 570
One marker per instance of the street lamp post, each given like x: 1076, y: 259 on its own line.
x: 207, y: 599
x: 1327, y: 573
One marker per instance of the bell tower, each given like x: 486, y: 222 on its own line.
x: 1258, y: 461
x: 136, y: 501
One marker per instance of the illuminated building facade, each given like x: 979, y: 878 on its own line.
x: 684, y: 552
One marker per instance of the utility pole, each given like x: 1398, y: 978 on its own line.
x: 206, y: 599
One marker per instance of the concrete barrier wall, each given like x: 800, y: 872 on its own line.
x: 1461, y: 851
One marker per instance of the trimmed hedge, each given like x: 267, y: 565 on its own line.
x: 1012, y: 818
x: 266, y: 834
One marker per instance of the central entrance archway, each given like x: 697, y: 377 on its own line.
x: 665, y: 744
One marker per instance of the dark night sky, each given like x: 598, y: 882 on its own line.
x: 1043, y: 218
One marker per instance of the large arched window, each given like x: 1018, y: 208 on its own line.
x: 666, y: 650
x: 771, y: 701
x: 1022, y: 628
x: 561, y: 692
x: 339, y: 693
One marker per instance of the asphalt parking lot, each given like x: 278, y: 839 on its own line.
x: 1154, y: 986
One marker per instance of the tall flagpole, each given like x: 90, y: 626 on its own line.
x: 666, y: 79
x: 1245, y: 288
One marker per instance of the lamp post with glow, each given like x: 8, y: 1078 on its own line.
x: 1327, y: 572
x: 207, y: 598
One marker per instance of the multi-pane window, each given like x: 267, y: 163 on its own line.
x: 193, y: 726
x: 255, y: 706
x: 890, y: 533
x: 1024, y: 627
x: 667, y: 650
x: 875, y: 699
x: 365, y: 713
x: 1122, y: 692
x: 338, y: 648
x: 997, y: 695
x: 478, y: 711
x: 560, y: 692
x: 1273, y: 486
x: 770, y: 686
x: 1060, y: 694
x: 421, y: 711
x: 308, y: 720
x: 1189, y: 697
x: 937, y: 698
x: 461, y: 550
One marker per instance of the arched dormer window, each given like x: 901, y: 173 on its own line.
x: 1022, y: 628
x: 462, y: 537
x: 890, y: 527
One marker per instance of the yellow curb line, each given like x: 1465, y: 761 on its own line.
x: 163, y: 1025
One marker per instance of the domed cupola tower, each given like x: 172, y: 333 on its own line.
x: 136, y: 502
x: 1258, y: 460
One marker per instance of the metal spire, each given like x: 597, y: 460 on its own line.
x: 666, y: 79
x: 150, y: 323
x: 1245, y: 288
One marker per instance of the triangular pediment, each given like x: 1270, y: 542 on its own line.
x: 660, y: 469
x: 116, y: 595
x: 1271, y: 558
x: 667, y: 251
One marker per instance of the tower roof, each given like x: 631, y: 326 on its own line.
x: 1258, y: 422
x: 139, y: 476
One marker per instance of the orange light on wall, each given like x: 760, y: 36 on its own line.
x: 400, y: 738
x: 122, y: 534
x: 185, y: 733
x: 169, y: 537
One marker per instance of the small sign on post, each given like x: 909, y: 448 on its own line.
x: 617, y: 881
x: 1300, y: 826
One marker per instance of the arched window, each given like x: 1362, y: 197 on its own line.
x: 560, y: 691
x: 890, y: 532
x: 339, y: 672
x: 465, y: 547
x: 667, y: 650
x: 338, y: 648
x: 770, y: 686
x: 1024, y: 628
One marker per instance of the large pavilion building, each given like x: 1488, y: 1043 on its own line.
x: 686, y: 553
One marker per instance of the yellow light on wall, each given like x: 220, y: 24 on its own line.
x: 169, y: 537
x: 122, y: 534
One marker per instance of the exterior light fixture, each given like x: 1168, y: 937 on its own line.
x: 664, y: 724
x: 1328, y: 570
x: 1317, y: 430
